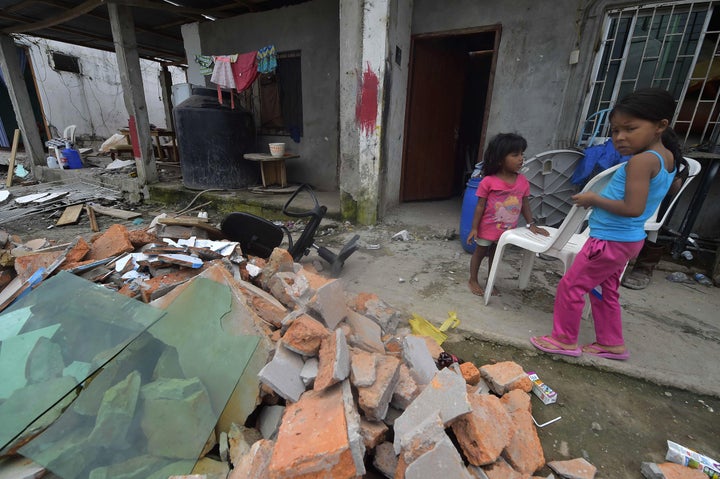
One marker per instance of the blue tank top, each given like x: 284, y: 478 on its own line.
x: 608, y: 226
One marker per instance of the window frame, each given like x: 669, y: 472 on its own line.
x: 606, y: 57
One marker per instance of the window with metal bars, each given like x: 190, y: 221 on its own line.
x: 673, y: 45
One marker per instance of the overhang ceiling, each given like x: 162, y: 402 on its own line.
x: 157, y: 22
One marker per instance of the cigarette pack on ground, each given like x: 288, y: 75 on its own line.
x: 542, y: 390
x: 687, y: 457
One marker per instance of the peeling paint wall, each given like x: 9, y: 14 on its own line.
x: 92, y: 100
x: 312, y: 28
x: 364, y: 77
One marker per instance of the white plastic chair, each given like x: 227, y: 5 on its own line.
x: 653, y: 224
x: 564, y: 242
x: 69, y: 133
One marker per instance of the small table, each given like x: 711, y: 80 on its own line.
x: 156, y: 133
x: 272, y: 168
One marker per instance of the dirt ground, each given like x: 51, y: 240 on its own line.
x: 614, y: 421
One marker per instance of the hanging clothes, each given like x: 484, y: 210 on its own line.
x: 267, y: 59
x: 271, y: 112
x: 245, y: 70
x: 206, y: 64
x: 222, y: 75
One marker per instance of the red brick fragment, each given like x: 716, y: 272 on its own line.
x: 305, y: 335
x: 113, y: 242
x: 140, y: 238
x: 676, y: 471
x: 470, y: 372
x: 484, y: 432
x: 506, y: 376
x: 305, y: 451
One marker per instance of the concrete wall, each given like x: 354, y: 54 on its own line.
x: 396, y: 98
x: 532, y: 68
x: 312, y: 28
x: 93, y: 99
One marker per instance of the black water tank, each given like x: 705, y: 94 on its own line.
x: 212, y: 139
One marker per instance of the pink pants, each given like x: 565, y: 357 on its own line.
x: 599, y: 263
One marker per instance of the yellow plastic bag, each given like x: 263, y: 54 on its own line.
x: 423, y: 327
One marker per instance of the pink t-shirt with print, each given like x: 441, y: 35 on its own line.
x: 502, y: 206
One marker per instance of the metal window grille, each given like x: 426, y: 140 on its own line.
x: 672, y: 45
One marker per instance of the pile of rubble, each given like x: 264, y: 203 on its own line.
x: 343, y: 391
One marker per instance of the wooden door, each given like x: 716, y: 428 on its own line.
x: 437, y: 82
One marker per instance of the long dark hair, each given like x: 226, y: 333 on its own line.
x: 653, y: 104
x: 500, y: 146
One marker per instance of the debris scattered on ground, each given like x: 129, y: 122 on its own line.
x: 333, y: 389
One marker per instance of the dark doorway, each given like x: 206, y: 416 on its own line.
x: 8, y: 119
x: 448, y: 100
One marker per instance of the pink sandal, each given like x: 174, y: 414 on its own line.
x: 558, y: 346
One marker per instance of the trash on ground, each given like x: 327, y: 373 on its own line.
x: 423, y: 327
x: 687, y: 457
x: 546, y: 423
x: 403, y: 235
x: 678, y: 277
x: 542, y: 390
x: 702, y: 279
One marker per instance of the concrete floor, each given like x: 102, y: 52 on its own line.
x: 671, y: 329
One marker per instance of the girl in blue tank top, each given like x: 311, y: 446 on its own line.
x: 640, y: 127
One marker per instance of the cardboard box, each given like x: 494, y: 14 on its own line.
x: 542, y: 390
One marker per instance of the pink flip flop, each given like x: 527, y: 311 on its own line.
x: 594, y: 349
x: 558, y: 346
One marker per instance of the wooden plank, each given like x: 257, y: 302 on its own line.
x: 115, y: 212
x: 11, y: 162
x: 91, y: 215
x: 70, y: 216
x: 213, y: 232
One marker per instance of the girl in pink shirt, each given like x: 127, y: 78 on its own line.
x: 502, y: 197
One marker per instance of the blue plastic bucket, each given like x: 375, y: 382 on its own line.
x: 468, y: 211
x: 73, y: 158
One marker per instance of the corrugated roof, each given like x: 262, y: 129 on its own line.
x: 157, y: 22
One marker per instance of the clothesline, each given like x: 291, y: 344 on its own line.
x: 237, y: 71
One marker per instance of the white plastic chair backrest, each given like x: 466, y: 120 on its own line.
x: 69, y: 133
x: 654, y: 223
x: 577, y: 215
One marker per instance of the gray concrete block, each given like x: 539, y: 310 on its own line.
x: 441, y: 461
x: 366, y: 333
x: 362, y: 368
x: 223, y: 447
x: 352, y: 418
x: 385, y: 460
x: 448, y: 397
x: 650, y: 470
x: 477, y: 472
x: 329, y: 303
x: 269, y: 421
x: 426, y: 435
x: 309, y: 372
x: 282, y: 374
x: 342, y: 357
x: 418, y: 358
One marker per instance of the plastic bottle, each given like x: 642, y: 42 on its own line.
x: 702, y: 279
x: 678, y: 277
x: 687, y: 255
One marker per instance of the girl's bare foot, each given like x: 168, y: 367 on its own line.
x: 475, y: 288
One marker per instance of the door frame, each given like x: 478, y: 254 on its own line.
x: 497, y: 30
